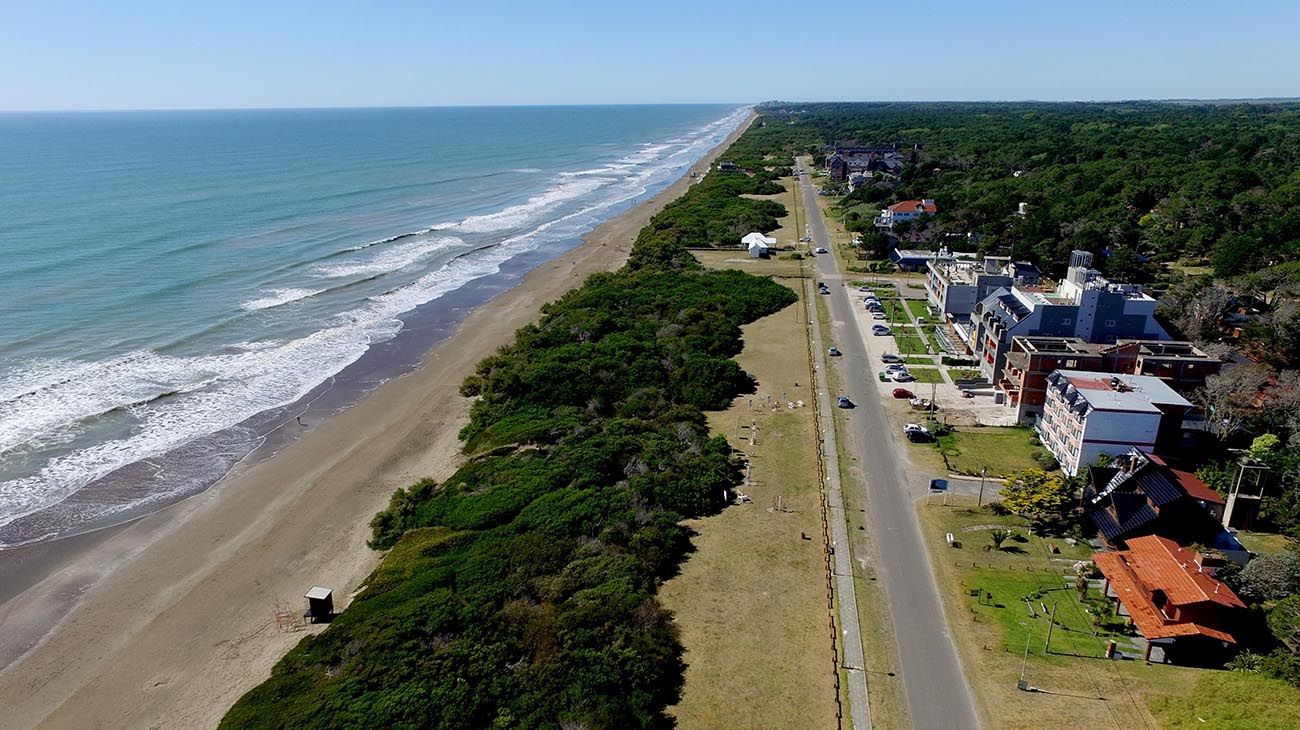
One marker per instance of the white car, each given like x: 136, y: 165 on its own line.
x: 880, y: 330
x: 821, y: 250
x: 891, y: 357
x: 806, y: 239
x: 914, y: 428
x: 833, y: 351
x: 865, y: 290
x: 901, y: 376
x: 878, y: 315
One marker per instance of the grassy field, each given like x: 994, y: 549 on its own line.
x: 1264, y: 543
x: 896, y: 312
x: 926, y: 375
x: 918, y: 307
x: 1230, y: 701
x: 909, y: 344
x: 1000, y: 450
x: 992, y: 633
x: 751, y: 600
x: 959, y: 373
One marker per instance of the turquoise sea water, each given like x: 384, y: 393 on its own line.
x: 168, y: 275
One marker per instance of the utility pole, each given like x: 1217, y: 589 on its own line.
x: 1050, y: 623
x: 1025, y: 664
x: 983, y: 472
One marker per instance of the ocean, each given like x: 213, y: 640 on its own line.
x: 175, y: 287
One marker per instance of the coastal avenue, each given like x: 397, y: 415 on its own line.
x: 938, y: 695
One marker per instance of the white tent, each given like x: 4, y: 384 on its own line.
x: 757, y: 244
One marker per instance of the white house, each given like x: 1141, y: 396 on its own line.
x: 757, y: 244
x: 907, y: 210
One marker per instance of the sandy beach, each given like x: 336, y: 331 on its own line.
x: 172, y: 616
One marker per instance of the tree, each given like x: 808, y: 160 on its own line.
x: 1284, y: 621
x: 1036, y: 494
x: 1231, y: 398
x: 998, y: 536
x: 1270, y: 577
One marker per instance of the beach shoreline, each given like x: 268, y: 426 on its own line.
x: 186, y: 623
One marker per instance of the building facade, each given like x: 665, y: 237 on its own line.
x: 1087, y: 414
x: 1084, y: 305
x: 1023, y: 378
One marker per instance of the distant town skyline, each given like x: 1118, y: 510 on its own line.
x: 145, y: 54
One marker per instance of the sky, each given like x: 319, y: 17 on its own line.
x: 153, y: 54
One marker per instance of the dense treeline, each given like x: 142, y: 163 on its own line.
x: 520, y: 592
x: 713, y: 213
x: 1145, y: 180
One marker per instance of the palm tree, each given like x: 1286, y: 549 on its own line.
x: 999, y: 536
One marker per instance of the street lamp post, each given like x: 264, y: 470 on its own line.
x: 980, y: 501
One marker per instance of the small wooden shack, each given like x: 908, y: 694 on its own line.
x: 320, y: 604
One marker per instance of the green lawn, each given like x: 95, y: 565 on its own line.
x: 991, y: 622
x: 1231, y: 701
x: 1264, y: 543
x: 1000, y: 450
x: 917, y: 307
x: 917, y: 360
x: 910, y: 345
x: 926, y: 375
x: 959, y: 373
x: 895, y: 311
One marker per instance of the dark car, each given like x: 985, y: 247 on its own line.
x: 844, y: 402
x: 903, y: 393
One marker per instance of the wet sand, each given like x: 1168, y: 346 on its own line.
x: 169, y: 619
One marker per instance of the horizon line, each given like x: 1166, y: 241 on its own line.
x: 344, y: 107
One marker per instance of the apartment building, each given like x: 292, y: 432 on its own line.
x: 1087, y: 414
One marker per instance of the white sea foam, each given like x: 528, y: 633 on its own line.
x: 408, y: 252
x: 45, y: 401
x: 276, y: 297
x: 527, y: 169
x: 516, y: 216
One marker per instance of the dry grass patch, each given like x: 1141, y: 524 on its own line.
x: 751, y: 600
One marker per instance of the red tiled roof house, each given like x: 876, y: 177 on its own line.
x: 1168, y: 595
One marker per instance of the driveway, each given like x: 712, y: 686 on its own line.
x: 938, y: 695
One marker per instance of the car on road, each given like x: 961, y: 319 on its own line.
x: 891, y: 357
x: 879, y: 330
x: 904, y: 393
x: 821, y: 250
x: 806, y: 239
x: 834, y: 352
x: 844, y: 402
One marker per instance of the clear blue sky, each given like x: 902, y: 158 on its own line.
x: 114, y: 54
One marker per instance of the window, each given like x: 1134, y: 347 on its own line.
x: 1067, y: 320
x: 1110, y: 323
x: 1071, y: 364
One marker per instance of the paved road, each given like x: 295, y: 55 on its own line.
x: 850, y: 630
x: 938, y: 695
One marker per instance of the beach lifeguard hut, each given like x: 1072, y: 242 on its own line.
x: 320, y: 604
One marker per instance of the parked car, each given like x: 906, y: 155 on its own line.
x: 879, y: 316
x: 891, y: 357
x: 844, y: 402
x: 806, y: 239
x: 916, y: 432
x: 834, y: 352
x: 865, y: 289
x: 821, y: 250
x: 904, y: 393
x: 895, y: 367
x: 902, y: 376
x: 879, y: 330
